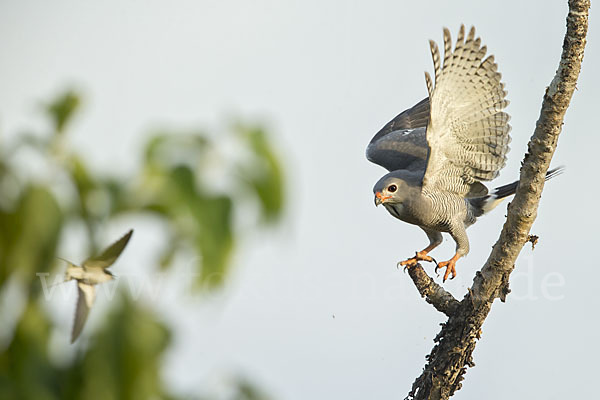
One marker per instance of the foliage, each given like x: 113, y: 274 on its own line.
x: 122, y: 359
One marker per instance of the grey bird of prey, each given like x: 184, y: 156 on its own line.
x: 92, y: 272
x: 439, y: 151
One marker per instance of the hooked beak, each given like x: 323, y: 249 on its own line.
x: 379, y: 198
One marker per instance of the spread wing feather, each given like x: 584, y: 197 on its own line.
x: 468, y: 133
x: 401, y: 143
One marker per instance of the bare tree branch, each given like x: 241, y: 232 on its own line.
x: 433, y: 293
x: 452, y: 354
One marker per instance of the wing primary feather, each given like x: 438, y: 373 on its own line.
x: 447, y: 46
x: 429, y: 83
x: 110, y: 254
x: 435, y: 53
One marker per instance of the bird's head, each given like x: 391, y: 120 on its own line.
x: 390, y: 189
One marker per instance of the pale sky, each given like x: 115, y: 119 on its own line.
x: 325, y: 76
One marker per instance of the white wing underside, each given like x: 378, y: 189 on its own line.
x: 85, y: 299
x: 467, y: 133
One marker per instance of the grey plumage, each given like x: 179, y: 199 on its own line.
x: 439, y: 151
x: 92, y: 272
x: 401, y: 143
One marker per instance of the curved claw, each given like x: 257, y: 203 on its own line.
x: 450, y: 266
x: 436, y: 263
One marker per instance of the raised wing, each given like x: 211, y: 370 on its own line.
x: 401, y: 143
x: 110, y: 255
x: 415, y: 117
x: 85, y: 299
x: 468, y: 132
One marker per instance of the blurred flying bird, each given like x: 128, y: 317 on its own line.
x: 92, y: 272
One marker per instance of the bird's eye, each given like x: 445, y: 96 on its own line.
x: 392, y: 188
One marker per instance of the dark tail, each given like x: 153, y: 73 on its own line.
x: 487, y: 203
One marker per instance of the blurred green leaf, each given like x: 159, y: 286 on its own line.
x: 125, y: 356
x: 153, y: 147
x: 214, y: 238
x: 30, y: 234
x: 6, y: 242
x: 61, y: 110
x: 263, y: 174
x: 205, y: 219
x: 168, y: 254
x: 83, y: 180
x: 168, y: 149
x: 123, y: 360
x: 85, y: 184
x: 116, y: 191
x: 248, y: 391
x: 25, y: 370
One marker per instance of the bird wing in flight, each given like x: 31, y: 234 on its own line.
x: 85, y: 300
x: 468, y: 133
x: 110, y: 255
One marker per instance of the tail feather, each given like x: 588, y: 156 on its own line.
x: 487, y: 203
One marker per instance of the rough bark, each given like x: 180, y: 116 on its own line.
x: 433, y: 293
x: 452, y: 354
